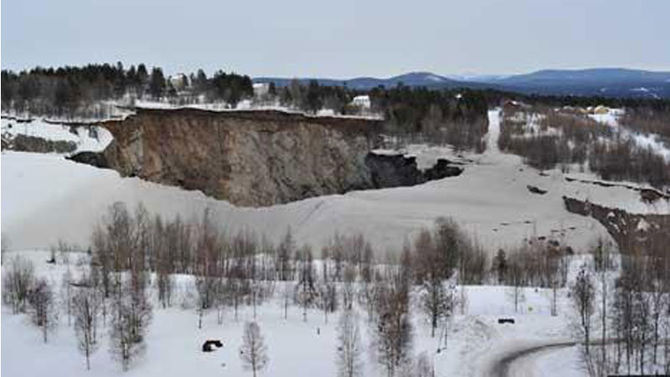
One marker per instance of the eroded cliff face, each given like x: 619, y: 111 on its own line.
x: 254, y: 158
x: 634, y: 233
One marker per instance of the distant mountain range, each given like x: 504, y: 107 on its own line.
x: 607, y: 82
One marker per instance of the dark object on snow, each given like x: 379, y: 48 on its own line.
x: 398, y: 170
x: 51, y: 260
x: 650, y: 196
x: 536, y: 190
x: 502, y: 321
x: 211, y: 345
x: 80, y: 284
x: 90, y: 158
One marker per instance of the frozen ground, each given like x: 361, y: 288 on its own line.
x: 46, y: 197
x: 473, y: 343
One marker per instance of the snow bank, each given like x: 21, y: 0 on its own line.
x: 246, y: 105
x: 87, y: 138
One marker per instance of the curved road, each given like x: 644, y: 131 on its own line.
x: 501, y: 368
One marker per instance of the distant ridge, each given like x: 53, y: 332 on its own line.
x: 414, y: 79
x: 606, y: 82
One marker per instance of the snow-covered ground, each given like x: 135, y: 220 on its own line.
x: 87, y: 138
x: 45, y: 197
x: 490, y: 200
x: 295, y: 347
x: 247, y: 105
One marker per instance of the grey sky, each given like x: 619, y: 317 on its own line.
x: 343, y: 38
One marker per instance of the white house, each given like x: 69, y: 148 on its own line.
x: 362, y: 101
x: 261, y: 89
x: 178, y: 81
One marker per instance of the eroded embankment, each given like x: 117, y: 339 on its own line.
x: 256, y: 158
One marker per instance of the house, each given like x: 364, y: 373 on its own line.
x: 362, y: 101
x: 261, y: 89
x: 178, y: 81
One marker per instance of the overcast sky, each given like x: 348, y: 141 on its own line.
x: 343, y: 38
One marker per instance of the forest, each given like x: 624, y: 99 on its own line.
x: 549, y: 138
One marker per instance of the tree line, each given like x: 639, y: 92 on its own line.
x: 566, y: 139
x: 75, y: 91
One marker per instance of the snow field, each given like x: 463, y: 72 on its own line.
x: 84, y: 137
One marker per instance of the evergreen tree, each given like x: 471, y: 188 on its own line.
x: 156, y: 83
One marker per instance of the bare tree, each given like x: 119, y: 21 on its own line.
x: 165, y: 283
x: 131, y: 314
x: 500, y: 266
x: 17, y: 281
x: 431, y: 270
x: 348, y: 289
x: 209, y: 270
x: 603, y: 263
x: 86, y: 305
x: 253, y: 351
x: 102, y: 259
x: 43, y: 311
x: 236, y: 288
x: 367, y: 263
x: 450, y: 303
x: 4, y: 246
x: 328, y: 298
x: 392, y: 329
x: 66, y: 294
x: 287, y: 292
x: 306, y: 289
x: 349, y: 346
x: 284, y: 252
x: 163, y: 258
x: 583, y: 296
x: 515, y: 279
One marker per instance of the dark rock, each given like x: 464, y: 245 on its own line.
x: 536, y: 190
x: 442, y: 169
x: 625, y: 227
x: 398, y: 170
x: 90, y: 158
x: 393, y: 170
